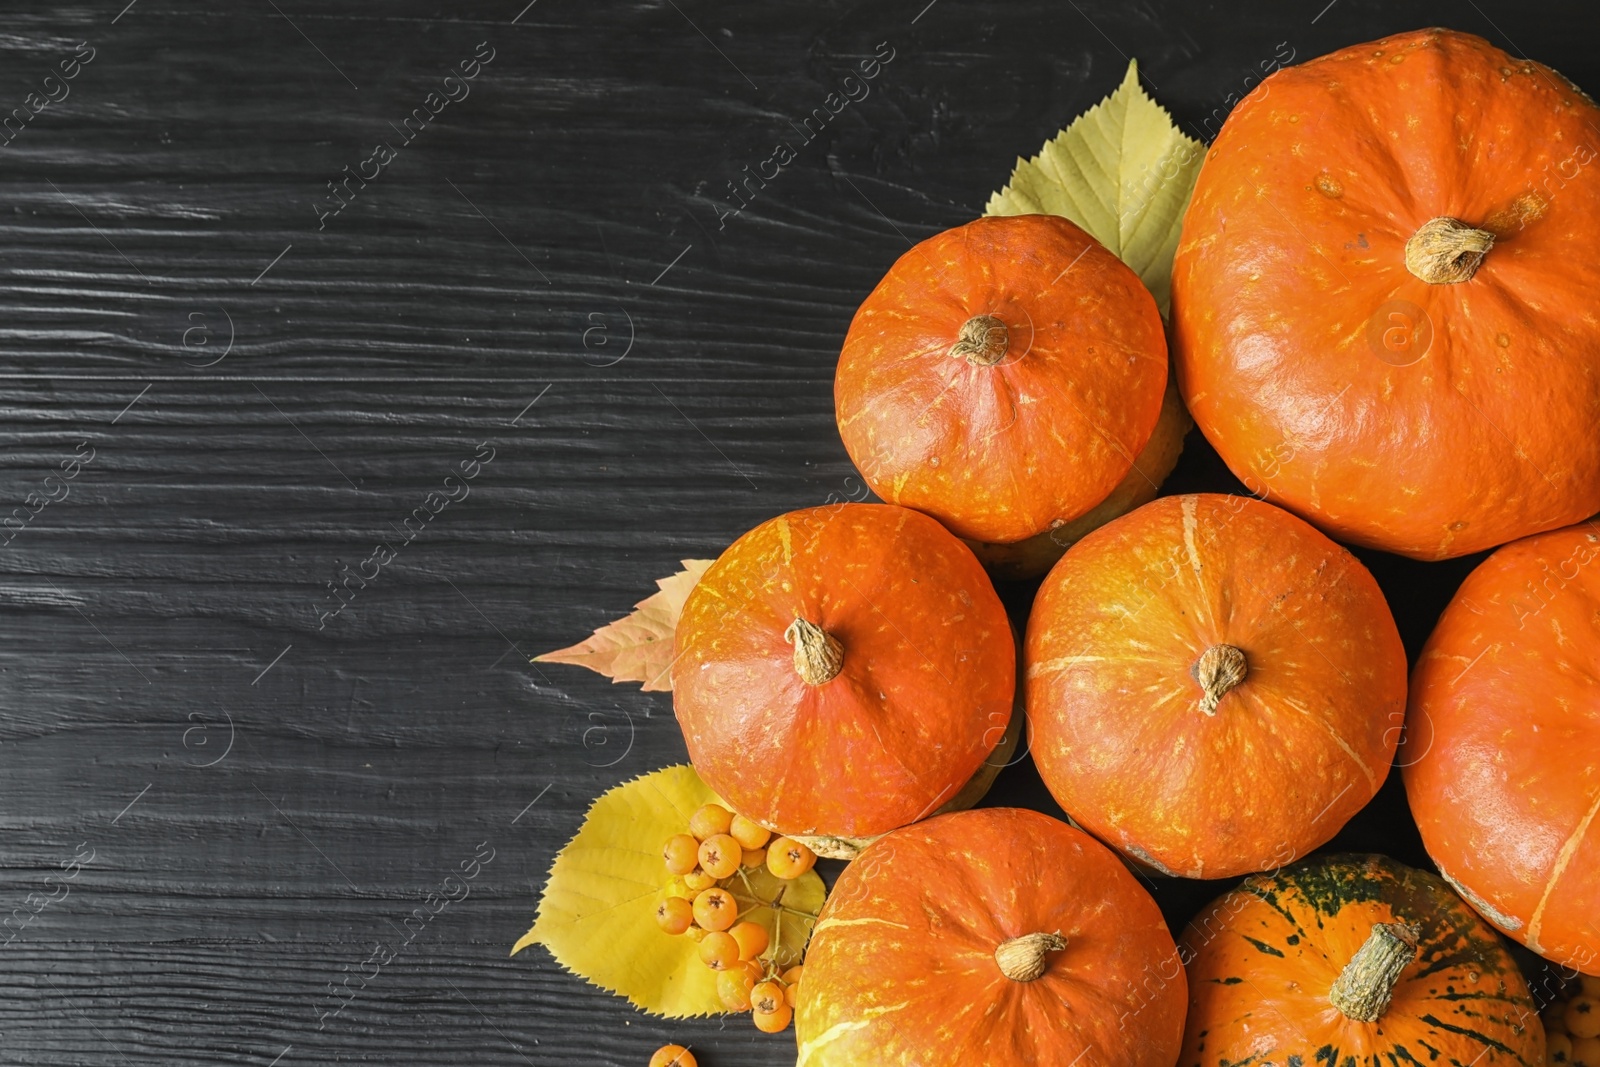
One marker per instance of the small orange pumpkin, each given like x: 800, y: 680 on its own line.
x: 1002, y: 377
x: 1352, y: 959
x: 997, y: 936
x: 1213, y: 687
x: 1506, y: 789
x: 1022, y: 560
x: 1381, y: 301
x: 842, y: 670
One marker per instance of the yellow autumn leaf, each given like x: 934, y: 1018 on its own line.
x: 1124, y: 173
x: 638, y: 646
x: 597, y: 914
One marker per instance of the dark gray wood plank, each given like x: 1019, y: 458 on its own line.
x: 541, y: 270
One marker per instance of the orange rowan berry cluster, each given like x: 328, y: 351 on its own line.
x: 1572, y: 1027
x: 718, y: 844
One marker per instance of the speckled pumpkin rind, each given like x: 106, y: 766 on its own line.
x: 1021, y: 560
x: 1263, y: 958
x: 901, y: 969
x: 999, y: 453
x: 923, y: 695
x: 1431, y: 420
x: 1114, y: 707
x: 1503, y: 743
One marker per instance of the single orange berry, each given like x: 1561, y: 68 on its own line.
x: 752, y: 938
x: 715, y: 909
x: 749, y: 833
x: 770, y: 1022
x: 791, y: 985
x: 754, y: 857
x: 1558, y: 1049
x: 681, y: 853
x: 1554, y: 1017
x: 674, y: 915
x: 766, y: 998
x: 734, y: 984
x: 709, y: 820
x: 1586, y: 1052
x: 697, y: 880
x: 1583, y: 1017
x: 719, y: 950
x: 672, y: 1056
x: 720, y: 855
x: 788, y: 858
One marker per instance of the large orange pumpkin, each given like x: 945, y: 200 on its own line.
x: 1353, y: 960
x: 1381, y: 300
x: 842, y: 670
x: 1505, y: 713
x: 1002, y: 377
x: 1213, y: 687
x: 997, y: 936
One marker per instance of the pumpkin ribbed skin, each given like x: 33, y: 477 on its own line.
x: 902, y: 970
x: 1505, y: 711
x: 923, y: 691
x: 1263, y: 960
x: 1021, y: 560
x: 1466, y: 421
x: 1117, y: 711
x: 1001, y: 452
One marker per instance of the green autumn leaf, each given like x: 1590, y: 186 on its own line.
x: 1124, y: 173
x: 597, y: 915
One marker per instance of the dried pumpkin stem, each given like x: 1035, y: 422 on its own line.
x: 833, y: 847
x: 1022, y: 959
x: 1445, y: 251
x: 818, y: 656
x: 1366, y: 985
x: 983, y: 341
x: 1219, y: 669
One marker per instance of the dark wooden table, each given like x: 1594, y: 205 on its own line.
x: 273, y: 375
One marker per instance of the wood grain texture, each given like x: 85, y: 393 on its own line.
x: 166, y: 208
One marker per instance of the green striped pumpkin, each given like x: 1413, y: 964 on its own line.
x: 1352, y: 961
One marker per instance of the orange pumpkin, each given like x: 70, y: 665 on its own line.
x: 1381, y: 298
x: 1213, y: 687
x: 842, y: 670
x: 1504, y: 704
x: 1352, y: 960
x: 1022, y: 560
x: 997, y: 936
x: 1002, y: 377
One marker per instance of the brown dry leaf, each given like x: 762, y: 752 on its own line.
x: 638, y: 648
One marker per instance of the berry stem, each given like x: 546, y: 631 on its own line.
x: 776, y: 903
x: 777, y: 910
